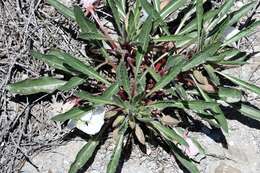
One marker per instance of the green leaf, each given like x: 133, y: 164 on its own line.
x: 191, y: 26
x: 155, y: 15
x: 213, y: 77
x: 112, y: 90
x: 51, y: 60
x: 81, y: 67
x: 34, y: 86
x: 139, y: 59
x: 165, y: 80
x: 72, y: 83
x: 229, y: 95
x: 174, y: 59
x: 175, y: 38
x: 197, y: 106
x: 92, y: 36
x: 84, y: 23
x: 237, y: 15
x: 202, y: 57
x: 157, y: 4
x: 199, y: 14
x: 245, y: 32
x: 116, y: 15
x: 95, y: 99
x: 168, y: 133
x: 250, y: 112
x: 184, y: 160
x: 153, y: 73
x: 123, y: 78
x: 84, y: 155
x: 171, y: 7
x: 74, y: 114
x: 144, y: 36
x: 241, y: 83
x: 114, y: 161
x: 217, y: 112
x: 62, y: 9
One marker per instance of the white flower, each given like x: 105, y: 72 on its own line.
x: 92, y: 121
x: 87, y: 3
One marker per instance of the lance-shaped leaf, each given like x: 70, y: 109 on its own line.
x: 175, y: 38
x: 165, y: 80
x: 236, y: 16
x: 74, y: 114
x: 81, y: 67
x: 112, y: 90
x: 157, y: 4
x: 217, y: 112
x: 84, y: 155
x: 199, y: 14
x: 72, y: 83
x: 230, y: 95
x: 116, y: 15
x: 184, y: 160
x: 249, y: 111
x: 193, y: 24
x: 245, y: 32
x: 122, y: 77
x: 66, y: 11
x: 202, y: 57
x: 114, y: 161
x: 84, y: 23
x: 168, y: 133
x: 213, y: 77
x: 197, y: 106
x: 241, y: 83
x: 155, y: 15
x: 95, y: 99
x: 34, y: 86
x: 171, y: 7
x: 51, y: 60
x: 144, y: 35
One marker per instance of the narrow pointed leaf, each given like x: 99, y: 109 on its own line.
x: 173, y: 72
x: 114, y: 161
x: 144, y: 36
x: 230, y: 95
x: 184, y: 160
x: 241, y: 83
x: 171, y: 7
x: 168, y: 133
x: 84, y: 23
x: 74, y: 114
x: 202, y: 57
x: 72, y: 83
x: 199, y: 14
x: 213, y: 77
x: 112, y: 90
x: 66, y: 11
x: 95, y: 99
x: 245, y: 32
x: 123, y: 78
x: 84, y: 155
x: 250, y: 112
x: 51, y: 60
x: 81, y: 67
x: 34, y: 86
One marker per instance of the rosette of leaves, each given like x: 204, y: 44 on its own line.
x: 147, y: 71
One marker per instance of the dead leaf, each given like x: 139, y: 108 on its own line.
x: 139, y: 134
x: 168, y: 120
x: 164, y: 3
x: 200, y: 77
x: 118, y: 121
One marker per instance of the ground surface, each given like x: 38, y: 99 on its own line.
x: 29, y: 140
